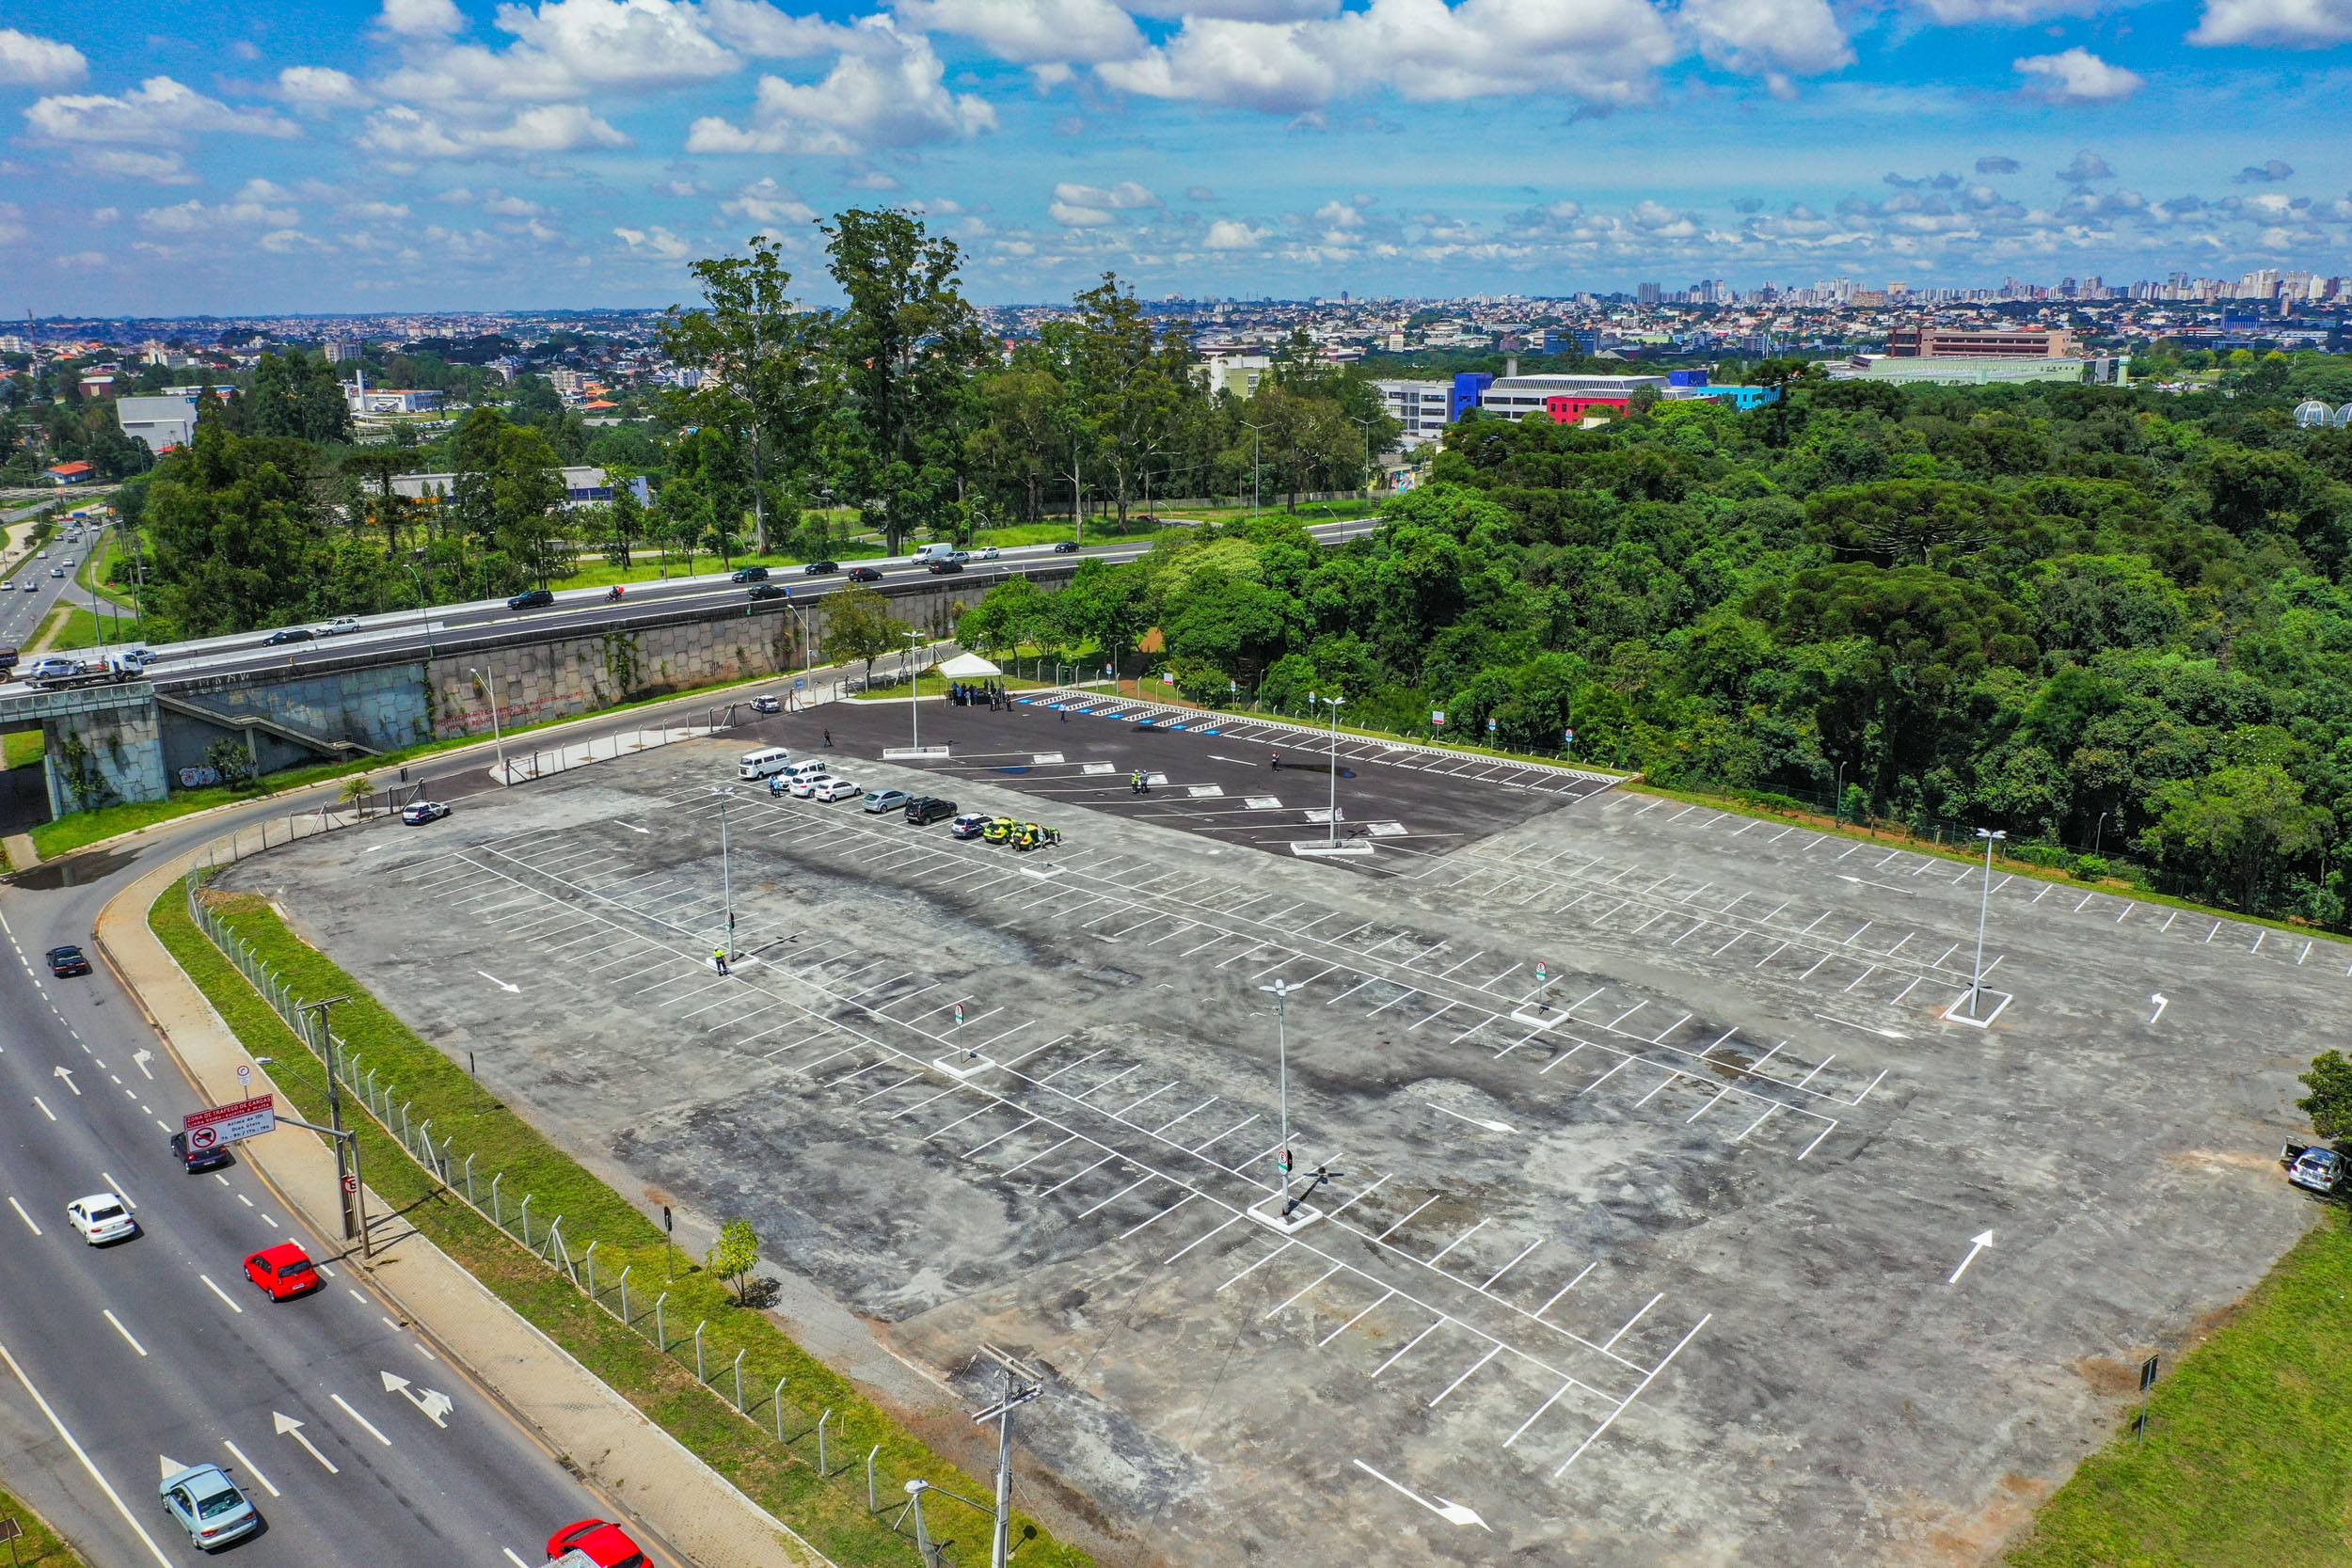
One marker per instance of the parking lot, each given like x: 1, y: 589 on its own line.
x: 1650, y: 1156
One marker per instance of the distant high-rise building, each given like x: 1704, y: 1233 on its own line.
x: 1646, y: 294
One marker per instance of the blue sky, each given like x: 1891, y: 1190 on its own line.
x: 228, y: 156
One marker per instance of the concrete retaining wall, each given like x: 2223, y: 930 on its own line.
x: 383, y: 707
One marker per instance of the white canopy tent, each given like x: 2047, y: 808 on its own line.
x: 968, y: 667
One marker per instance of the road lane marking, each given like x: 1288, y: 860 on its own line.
x: 117, y: 1188
x: 518, y: 1563
x: 219, y: 1292
x: 108, y: 1314
x: 242, y: 1199
x: 288, y: 1427
x: 25, y: 1217
x: 361, y: 1419
x: 250, y: 1469
x: 45, y: 1108
x: 79, y: 1452
x: 271, y: 1223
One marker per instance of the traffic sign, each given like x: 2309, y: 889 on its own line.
x: 227, y: 1124
x: 244, y: 1074
x: 351, y: 1183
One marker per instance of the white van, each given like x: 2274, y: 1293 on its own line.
x: 760, y: 764
x: 930, y: 553
x: 807, y: 768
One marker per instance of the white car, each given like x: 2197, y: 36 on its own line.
x: 100, y: 1218
x: 338, y: 626
x: 837, y: 789
x: 806, y: 787
x: 986, y: 552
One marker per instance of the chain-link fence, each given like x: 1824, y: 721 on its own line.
x: 480, y: 1183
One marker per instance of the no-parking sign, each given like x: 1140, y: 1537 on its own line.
x: 228, y: 1124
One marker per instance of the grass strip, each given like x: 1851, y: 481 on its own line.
x: 2245, y: 1462
x: 40, y: 1546
x: 412, y: 1076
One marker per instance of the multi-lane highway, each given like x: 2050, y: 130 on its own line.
x: 115, y: 1360
x: 31, y: 592
x: 593, y: 609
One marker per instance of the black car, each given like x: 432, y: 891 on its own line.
x: 769, y: 590
x: 749, y: 574
x: 203, y: 1159
x: 67, y: 960
x: 929, y: 808
x: 530, y: 598
x: 287, y: 634
x: 1065, y: 547
x: 862, y: 574
x: 818, y: 568
x: 938, y: 567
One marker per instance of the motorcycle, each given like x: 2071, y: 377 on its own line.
x: 615, y: 594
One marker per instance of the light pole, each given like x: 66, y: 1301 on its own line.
x: 347, y: 1158
x: 726, y: 881
x: 2095, y: 833
x: 914, y: 691
x: 1282, y: 990
x: 505, y: 780
x: 1984, y: 901
x: 1253, y: 469
x: 1334, y: 812
x: 425, y: 609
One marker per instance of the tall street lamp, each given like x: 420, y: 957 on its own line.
x: 1282, y: 990
x: 1334, y: 812
x: 914, y: 691
x: 505, y: 780
x: 425, y: 609
x: 1991, y: 837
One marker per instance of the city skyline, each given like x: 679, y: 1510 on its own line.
x: 419, y: 155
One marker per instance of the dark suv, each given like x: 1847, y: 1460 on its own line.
x: 929, y: 808
x: 284, y: 635
x: 751, y: 573
x: 531, y: 598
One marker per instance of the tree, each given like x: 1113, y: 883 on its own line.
x: 625, y: 519
x: 906, y: 346
x: 763, y: 362
x: 858, y: 625
x: 1024, y: 422
x: 736, y: 1255
x: 237, y: 526
x: 1127, y: 383
x: 2329, y: 1104
x: 2230, y: 829
x: 527, y: 498
x: 1106, y: 605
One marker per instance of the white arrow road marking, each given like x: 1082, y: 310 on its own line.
x: 2161, y: 1001
x: 1451, y: 1513
x: 434, y: 1403
x: 83, y: 1454
x: 1474, y: 1121
x: 288, y: 1427
x: 1976, y: 1243
x: 361, y: 1419
x: 634, y: 829
x: 250, y: 1469
x: 60, y: 1072
x: 171, y: 1467
x: 501, y: 985
x: 140, y: 1058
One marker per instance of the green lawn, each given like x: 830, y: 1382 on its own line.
x: 2246, y: 1463
x: 76, y: 627
x: 21, y: 750
x: 830, y: 1512
x: 38, y: 1546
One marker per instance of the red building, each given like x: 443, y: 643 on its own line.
x: 1570, y: 408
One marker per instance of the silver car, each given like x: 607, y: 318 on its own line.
x: 207, y: 1504
x: 887, y: 800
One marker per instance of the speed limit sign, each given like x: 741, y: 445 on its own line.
x: 351, y: 1183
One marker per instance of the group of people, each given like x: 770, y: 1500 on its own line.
x: 988, y: 693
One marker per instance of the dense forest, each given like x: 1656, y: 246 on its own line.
x: 2082, y: 614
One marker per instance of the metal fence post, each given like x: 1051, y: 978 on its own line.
x: 498, y: 1209
x: 738, y: 1378
x: 698, y: 1351
x: 525, y: 1216
x: 592, y: 1270
x: 625, y: 1291
x: 873, y: 1503
x: 823, y: 1467
x: 660, y: 1333
x: 779, y: 1398
x: 469, y: 1178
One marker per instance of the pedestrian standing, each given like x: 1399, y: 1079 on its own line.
x: 828, y: 737
x: 718, y: 958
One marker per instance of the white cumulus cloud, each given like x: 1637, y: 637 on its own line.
x: 317, y: 88
x: 1770, y: 37
x: 159, y: 111
x: 888, y: 88
x: 28, y: 61
x: 656, y: 240
x: 421, y: 18
x: 2077, y: 76
x: 2274, y: 24
x: 401, y: 132
x: 1232, y: 234
x: 765, y: 201
x: 1032, y: 32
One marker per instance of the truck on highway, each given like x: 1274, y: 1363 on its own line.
x: 59, y: 671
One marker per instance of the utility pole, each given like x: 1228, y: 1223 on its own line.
x: 1335, y: 703
x: 726, y: 880
x: 350, y: 1188
x: 1023, y: 1383
x: 1975, y: 986
x: 1282, y: 990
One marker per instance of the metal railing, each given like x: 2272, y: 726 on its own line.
x: 480, y: 1183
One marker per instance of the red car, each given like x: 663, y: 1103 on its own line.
x: 282, y: 1271
x: 605, y: 1544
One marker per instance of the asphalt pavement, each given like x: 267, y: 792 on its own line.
x: 28, y: 593
x: 122, y: 1359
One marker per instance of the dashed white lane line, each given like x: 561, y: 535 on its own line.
x: 117, y: 1189
x: 25, y: 1217
x: 222, y: 1294
x: 246, y: 1201
x: 269, y: 1220
x: 128, y: 1338
x: 356, y: 1296
x: 361, y: 1419
x: 250, y: 1469
x: 45, y: 1108
x: 518, y: 1563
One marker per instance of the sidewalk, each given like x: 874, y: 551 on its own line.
x: 622, y: 1452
